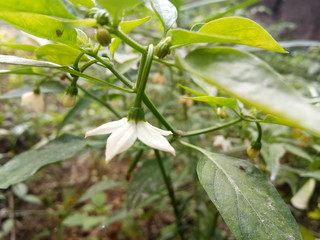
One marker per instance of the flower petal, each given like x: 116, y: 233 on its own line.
x: 26, y: 98
x: 153, y: 138
x: 162, y: 132
x: 106, y: 128
x: 37, y: 103
x: 120, y: 140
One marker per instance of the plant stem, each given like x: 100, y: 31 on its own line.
x: 259, y: 132
x: 124, y: 37
x: 143, y: 75
x: 210, y: 129
x: 111, y: 109
x: 134, y: 164
x: 170, y: 190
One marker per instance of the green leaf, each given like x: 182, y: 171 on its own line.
x: 89, y: 22
x: 248, y: 203
x: 194, y: 92
x: 227, y: 102
x: 311, y: 174
x: 126, y: 27
x: 23, y: 71
x: 252, y: 81
x: 115, y: 7
x: 306, y: 234
x: 25, y: 47
x: 41, y: 26
x: 99, y: 199
x: 230, y: 29
x: 166, y: 12
x: 98, y: 187
x: 86, y: 3
x: 272, y: 153
x: 298, y: 152
x: 54, y: 8
x: 196, y: 4
x: 23, y: 166
x: 147, y: 184
x: 8, y: 59
x: 58, y: 53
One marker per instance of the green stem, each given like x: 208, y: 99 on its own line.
x: 170, y: 190
x: 134, y: 164
x: 74, y: 72
x: 143, y: 75
x: 157, y: 114
x: 76, y: 62
x: 124, y: 37
x: 87, y: 64
x: 259, y: 132
x: 210, y: 129
x: 111, y: 109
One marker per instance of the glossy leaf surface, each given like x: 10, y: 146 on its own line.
x: 54, y: 8
x: 23, y: 166
x: 249, y: 204
x: 230, y: 29
x: 41, y: 26
x: 255, y: 83
x: 166, y: 12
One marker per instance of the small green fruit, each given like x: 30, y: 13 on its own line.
x: 103, y: 37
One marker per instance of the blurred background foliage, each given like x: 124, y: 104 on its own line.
x: 82, y: 198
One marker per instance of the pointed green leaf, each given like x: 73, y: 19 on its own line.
x: 166, y: 12
x: 86, y: 3
x: 126, y: 27
x: 8, y: 59
x: 227, y: 102
x: 23, y: 71
x: 230, y: 29
x: 248, y: 203
x: 23, y: 166
x: 255, y: 83
x: 115, y: 7
x: 41, y: 26
x: 194, y: 92
x: 58, y: 53
x: 55, y: 8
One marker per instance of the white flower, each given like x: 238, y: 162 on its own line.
x: 220, y: 141
x: 125, y: 132
x: 36, y: 101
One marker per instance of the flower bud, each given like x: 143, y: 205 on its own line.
x: 101, y: 15
x: 221, y: 113
x: 253, y: 151
x: 70, y: 96
x: 103, y: 37
x: 163, y: 48
x: 69, y: 100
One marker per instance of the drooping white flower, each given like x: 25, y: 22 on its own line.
x: 35, y: 99
x: 125, y: 132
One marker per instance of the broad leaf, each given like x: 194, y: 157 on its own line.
x: 166, y: 12
x: 58, y: 53
x: 147, y: 184
x: 99, y: 187
x: 41, y: 26
x: 24, y: 47
x: 86, y: 3
x: 230, y: 29
x: 127, y: 26
x: 249, y: 204
x: 272, y: 153
x: 7, y: 59
x: 255, y: 83
x: 115, y: 7
x: 54, y: 8
x: 23, y: 166
x: 227, y: 102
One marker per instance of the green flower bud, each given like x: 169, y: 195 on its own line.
x: 221, y: 113
x: 101, y: 15
x: 163, y: 48
x: 103, y: 37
